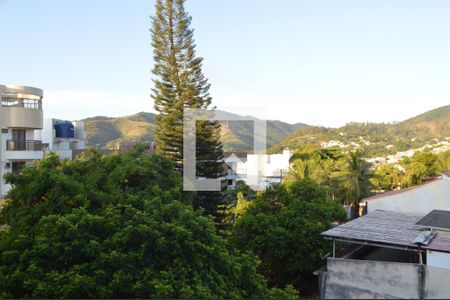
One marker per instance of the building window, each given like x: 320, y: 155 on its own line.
x: 17, y: 166
x: 31, y: 103
x: 19, y: 134
x: 10, y: 102
x: 230, y: 182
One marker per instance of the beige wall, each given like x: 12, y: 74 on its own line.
x: 21, y: 117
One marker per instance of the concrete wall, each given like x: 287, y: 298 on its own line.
x: 437, y: 283
x: 356, y: 279
x: 420, y: 200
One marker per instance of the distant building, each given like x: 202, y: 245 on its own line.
x: 257, y: 170
x: 65, y: 138
x: 21, y: 116
x: 421, y: 199
x: 232, y: 161
x: 389, y: 255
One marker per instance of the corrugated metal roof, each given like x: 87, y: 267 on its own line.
x: 387, y: 228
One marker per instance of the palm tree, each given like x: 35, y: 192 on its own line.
x: 300, y: 170
x: 354, y: 175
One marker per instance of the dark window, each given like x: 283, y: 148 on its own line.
x: 17, y: 166
x: 19, y: 134
x: 230, y: 181
x: 19, y: 139
x: 5, y: 130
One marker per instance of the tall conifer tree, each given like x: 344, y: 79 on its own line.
x: 180, y: 84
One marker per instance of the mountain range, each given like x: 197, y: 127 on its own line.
x: 379, y: 138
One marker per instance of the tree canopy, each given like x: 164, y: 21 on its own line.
x: 283, y: 225
x: 421, y: 165
x: 116, y: 226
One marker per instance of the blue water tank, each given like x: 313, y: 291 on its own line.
x: 64, y: 129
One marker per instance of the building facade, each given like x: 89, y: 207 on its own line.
x: 420, y: 199
x: 21, y: 115
x: 65, y: 138
x: 259, y: 171
x: 262, y: 170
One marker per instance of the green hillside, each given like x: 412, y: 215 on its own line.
x: 107, y: 132
x: 437, y: 120
x: 378, y: 138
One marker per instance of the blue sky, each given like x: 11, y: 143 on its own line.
x: 317, y: 62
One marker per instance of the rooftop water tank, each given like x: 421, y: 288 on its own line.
x: 64, y: 129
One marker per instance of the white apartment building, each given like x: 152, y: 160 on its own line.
x: 65, y: 138
x: 262, y: 170
x: 21, y: 115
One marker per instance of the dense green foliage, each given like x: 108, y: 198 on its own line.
x: 116, y: 226
x: 347, y: 176
x: 354, y: 176
x: 444, y: 160
x: 420, y: 166
x: 283, y: 225
x: 387, y: 177
x: 411, y: 171
x: 236, y: 202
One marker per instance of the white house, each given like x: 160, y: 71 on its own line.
x: 418, y: 200
x: 232, y: 159
x: 261, y: 170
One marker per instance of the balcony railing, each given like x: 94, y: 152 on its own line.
x: 23, y: 145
